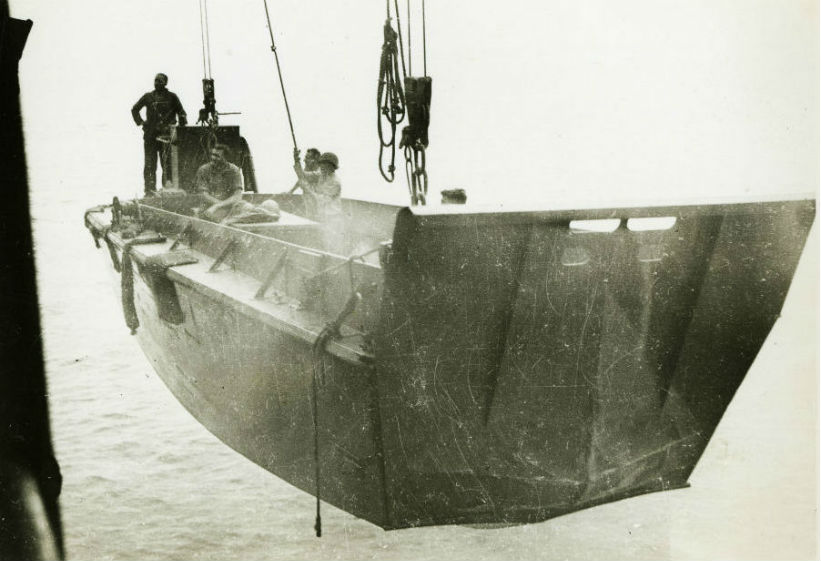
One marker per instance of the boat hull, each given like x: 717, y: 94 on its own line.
x: 494, y: 367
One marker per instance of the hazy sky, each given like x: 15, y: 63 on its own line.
x: 553, y: 100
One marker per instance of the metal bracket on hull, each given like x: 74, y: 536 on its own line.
x: 229, y: 248
x: 185, y: 235
x: 269, y: 280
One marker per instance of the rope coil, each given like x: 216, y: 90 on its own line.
x: 390, y: 99
x: 395, y: 102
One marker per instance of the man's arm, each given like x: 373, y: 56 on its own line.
x: 300, y: 173
x: 234, y: 198
x: 296, y: 186
x: 180, y: 111
x: 135, y: 111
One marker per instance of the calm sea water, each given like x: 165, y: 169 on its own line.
x: 143, y: 480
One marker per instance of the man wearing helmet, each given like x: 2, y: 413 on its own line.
x: 162, y: 108
x: 321, y: 187
x: 311, y: 164
x: 322, y: 193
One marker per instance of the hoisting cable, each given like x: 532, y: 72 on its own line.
x: 279, y: 72
x: 410, y: 50
x: 399, y: 32
x: 208, y: 116
x: 202, y: 37
x: 207, y: 37
x: 424, y: 43
x: 390, y: 99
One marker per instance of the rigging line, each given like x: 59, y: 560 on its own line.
x: 202, y: 36
x: 279, y: 72
x: 424, y: 43
x: 208, y: 38
x: 410, y: 50
x: 399, y: 32
x: 318, y: 359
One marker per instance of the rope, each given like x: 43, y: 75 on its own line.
x: 208, y: 140
x: 202, y: 37
x: 424, y: 42
x: 348, y: 262
x: 328, y: 332
x: 410, y: 50
x: 127, y: 291
x: 279, y: 72
x: 390, y: 99
x: 318, y: 347
x: 208, y: 38
x: 399, y: 32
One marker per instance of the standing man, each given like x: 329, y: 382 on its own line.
x: 162, y: 108
x: 220, y: 183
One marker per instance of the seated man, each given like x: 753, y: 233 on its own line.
x: 220, y: 183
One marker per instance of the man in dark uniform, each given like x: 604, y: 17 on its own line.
x: 162, y: 108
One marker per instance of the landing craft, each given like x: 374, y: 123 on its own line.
x: 458, y: 364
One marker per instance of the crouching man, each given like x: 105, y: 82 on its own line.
x: 220, y: 183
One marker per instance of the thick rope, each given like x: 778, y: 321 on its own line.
x: 127, y: 291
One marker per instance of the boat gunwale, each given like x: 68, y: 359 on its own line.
x: 238, y: 231
x: 456, y: 215
x: 257, y: 309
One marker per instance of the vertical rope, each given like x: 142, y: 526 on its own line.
x: 208, y: 39
x: 202, y: 37
x: 318, y: 361
x: 424, y: 42
x: 399, y: 32
x: 279, y: 72
x: 410, y: 50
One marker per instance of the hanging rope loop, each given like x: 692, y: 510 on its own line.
x: 399, y: 96
x: 390, y: 99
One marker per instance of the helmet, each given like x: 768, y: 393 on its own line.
x: 329, y: 157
